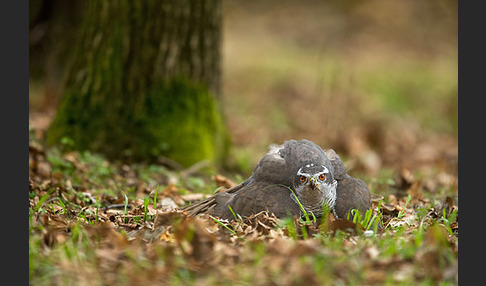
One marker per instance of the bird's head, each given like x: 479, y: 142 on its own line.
x: 315, y: 186
x: 313, y: 176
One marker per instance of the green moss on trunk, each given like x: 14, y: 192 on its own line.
x: 183, y: 122
x: 179, y: 120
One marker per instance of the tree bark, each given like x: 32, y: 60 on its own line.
x: 144, y: 82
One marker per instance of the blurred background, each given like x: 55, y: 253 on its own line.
x: 375, y: 80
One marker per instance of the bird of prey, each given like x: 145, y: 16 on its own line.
x: 290, y: 177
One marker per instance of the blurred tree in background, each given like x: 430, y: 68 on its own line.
x: 144, y: 82
x: 52, y: 30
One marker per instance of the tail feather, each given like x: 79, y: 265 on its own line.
x: 204, y: 206
x: 209, y: 204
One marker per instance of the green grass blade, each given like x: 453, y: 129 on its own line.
x: 232, y: 212
x: 306, y: 215
x: 145, y: 205
x: 222, y: 224
x: 155, y: 197
x: 43, y: 199
x: 125, y: 206
x: 402, y: 212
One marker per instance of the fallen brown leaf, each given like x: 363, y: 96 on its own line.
x: 344, y: 225
x: 224, y: 182
x: 194, y: 197
x: 415, y: 191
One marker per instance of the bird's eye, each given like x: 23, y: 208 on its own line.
x: 322, y: 177
x: 302, y: 178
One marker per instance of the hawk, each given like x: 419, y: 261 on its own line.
x: 291, y: 177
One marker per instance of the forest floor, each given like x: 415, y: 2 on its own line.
x: 95, y: 222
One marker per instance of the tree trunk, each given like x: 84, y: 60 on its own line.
x: 145, y: 81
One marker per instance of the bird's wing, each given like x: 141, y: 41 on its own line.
x: 257, y: 197
x: 273, y: 167
x: 352, y: 193
x: 337, y: 163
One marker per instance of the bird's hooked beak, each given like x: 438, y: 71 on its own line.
x: 313, y: 183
